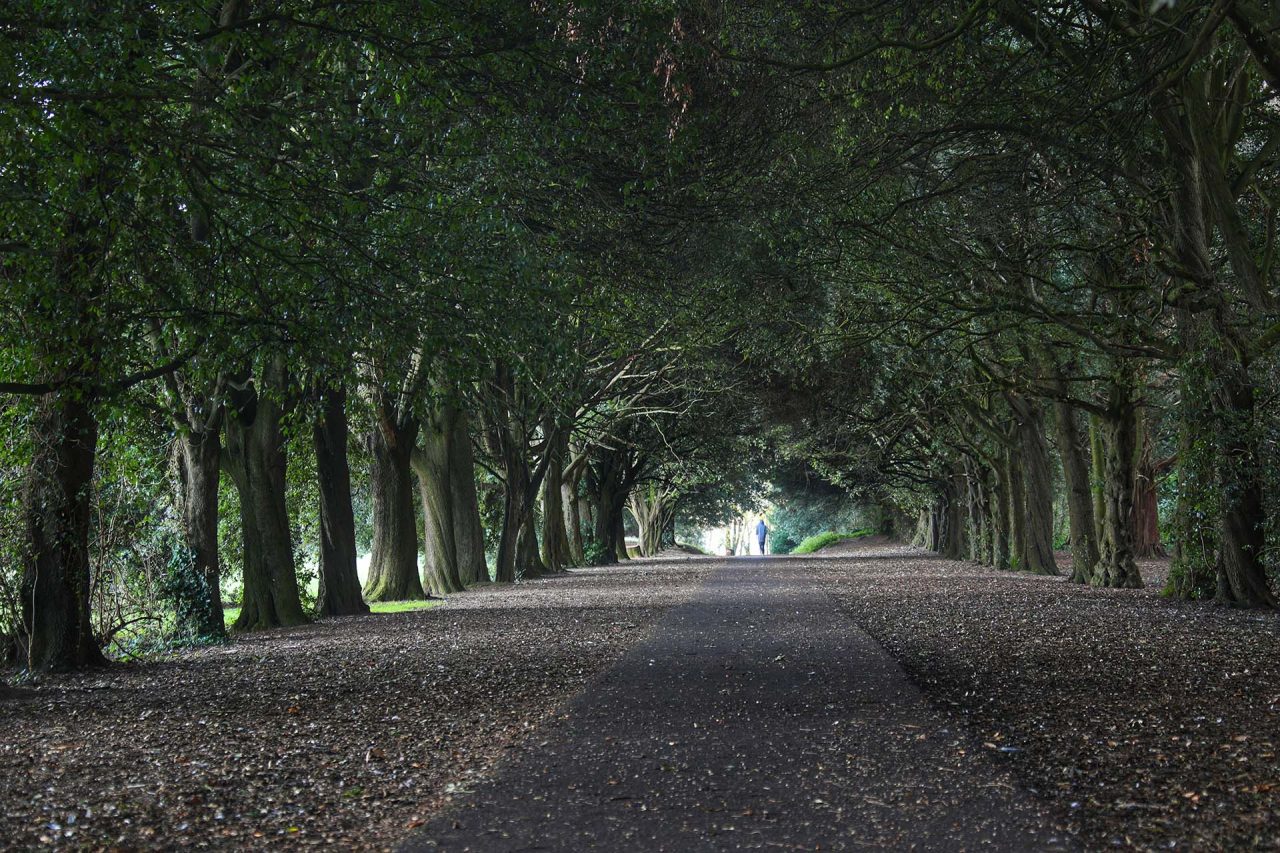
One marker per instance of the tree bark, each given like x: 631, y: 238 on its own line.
x: 555, y: 538
x: 620, y: 533
x: 393, y: 565
x: 256, y: 460
x: 198, y: 464
x: 1242, y: 579
x: 468, y: 532
x: 1016, y: 510
x: 514, y: 561
x: 1116, y: 566
x: 608, y: 528
x: 1196, y: 523
x: 1097, y: 474
x: 1146, y: 499
x: 1075, y: 473
x: 653, y: 514
x: 1000, y: 524
x: 432, y: 462
x: 953, y: 511
x: 978, y: 529
x: 573, y: 517
x: 56, y: 631
x: 339, y: 581
x: 529, y: 560
x: 1037, y: 556
x: 1203, y: 195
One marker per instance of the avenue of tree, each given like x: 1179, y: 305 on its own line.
x: 472, y: 286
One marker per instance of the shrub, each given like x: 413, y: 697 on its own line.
x: 594, y: 552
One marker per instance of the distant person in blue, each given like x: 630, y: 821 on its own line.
x: 762, y: 533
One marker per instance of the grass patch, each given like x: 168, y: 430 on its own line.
x: 230, y: 614
x: 822, y: 540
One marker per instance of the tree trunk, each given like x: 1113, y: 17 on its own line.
x: 620, y: 533
x: 1196, y: 522
x: 1242, y: 579
x: 1146, y: 499
x: 1016, y: 508
x: 508, y: 537
x: 57, y: 634
x: 573, y: 518
x: 1195, y: 150
x: 1075, y: 473
x: 514, y: 558
x: 978, y: 528
x: 528, y: 560
x: 1000, y: 523
x: 468, y: 532
x: 936, y: 529
x: 652, y: 511
x: 432, y: 464
x: 953, y: 510
x: 339, y: 581
x: 667, y: 539
x: 198, y: 595
x: 1037, y: 556
x: 393, y: 566
x: 1116, y: 566
x: 555, y: 538
x: 1097, y: 468
x: 256, y: 460
x: 607, y: 523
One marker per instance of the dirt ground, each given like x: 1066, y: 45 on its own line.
x: 1148, y: 723
x: 343, y: 733
x: 1143, y: 722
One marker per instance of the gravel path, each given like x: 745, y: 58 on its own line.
x: 755, y: 716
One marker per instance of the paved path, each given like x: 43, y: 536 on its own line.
x: 755, y: 717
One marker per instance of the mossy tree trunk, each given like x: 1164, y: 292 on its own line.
x: 1097, y: 468
x: 433, y: 463
x: 255, y: 458
x: 1205, y: 200
x: 608, y: 495
x: 1116, y: 566
x: 198, y: 461
x: 1075, y: 474
x: 1242, y: 578
x: 393, y: 564
x: 1196, y: 525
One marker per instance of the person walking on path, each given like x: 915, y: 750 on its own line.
x: 762, y: 533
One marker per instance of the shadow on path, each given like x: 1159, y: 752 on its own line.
x: 755, y: 716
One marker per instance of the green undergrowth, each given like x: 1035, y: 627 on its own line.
x: 822, y: 540
x: 230, y: 614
